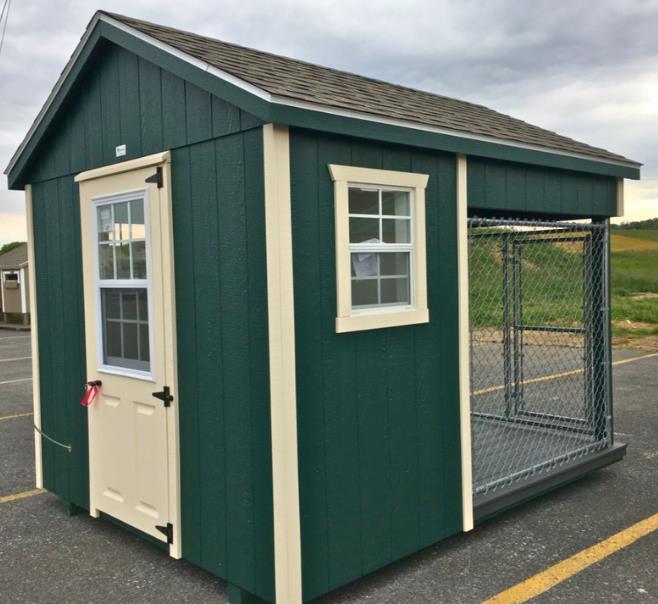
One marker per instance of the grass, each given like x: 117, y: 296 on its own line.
x: 554, y: 297
x: 634, y: 280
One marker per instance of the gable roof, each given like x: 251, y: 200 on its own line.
x: 293, y: 92
x: 14, y: 258
x: 301, y: 81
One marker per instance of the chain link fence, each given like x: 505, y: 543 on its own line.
x: 539, y: 347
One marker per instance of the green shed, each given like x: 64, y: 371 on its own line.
x: 323, y: 321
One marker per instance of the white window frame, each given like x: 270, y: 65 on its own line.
x: 123, y: 283
x: 347, y: 318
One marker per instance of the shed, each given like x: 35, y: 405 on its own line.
x: 14, y: 294
x: 264, y: 266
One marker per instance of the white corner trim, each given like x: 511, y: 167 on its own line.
x: 23, y: 285
x: 281, y: 328
x: 620, y: 197
x: 36, y: 392
x: 125, y: 166
x: 464, y: 345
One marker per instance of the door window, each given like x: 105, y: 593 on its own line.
x: 123, y: 284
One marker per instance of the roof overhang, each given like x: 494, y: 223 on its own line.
x: 278, y: 109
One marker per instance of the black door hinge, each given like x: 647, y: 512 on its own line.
x: 156, y: 178
x: 168, y: 531
x: 165, y: 396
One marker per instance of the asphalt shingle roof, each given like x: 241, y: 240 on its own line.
x: 301, y: 81
x: 14, y: 258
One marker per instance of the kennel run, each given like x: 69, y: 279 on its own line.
x: 265, y: 265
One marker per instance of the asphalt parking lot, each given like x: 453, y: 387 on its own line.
x: 47, y: 556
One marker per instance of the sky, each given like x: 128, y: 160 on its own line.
x: 585, y: 69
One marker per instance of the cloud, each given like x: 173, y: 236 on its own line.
x: 586, y: 71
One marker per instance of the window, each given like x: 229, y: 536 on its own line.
x: 11, y: 276
x: 380, y: 248
x: 123, y: 285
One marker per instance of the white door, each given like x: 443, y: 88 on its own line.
x: 125, y: 215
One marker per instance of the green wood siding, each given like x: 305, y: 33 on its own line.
x: 223, y: 358
x: 504, y: 187
x: 58, y: 274
x: 218, y: 206
x: 378, y: 411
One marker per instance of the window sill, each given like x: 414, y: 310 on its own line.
x: 380, y: 320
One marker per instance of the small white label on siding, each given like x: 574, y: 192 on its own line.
x: 120, y: 150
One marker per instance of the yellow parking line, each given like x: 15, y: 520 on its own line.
x: 16, y: 416
x: 543, y: 581
x: 23, y: 495
x: 555, y: 376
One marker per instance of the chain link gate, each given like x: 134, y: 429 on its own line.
x: 539, y: 347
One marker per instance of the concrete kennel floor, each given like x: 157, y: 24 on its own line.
x: 46, y: 556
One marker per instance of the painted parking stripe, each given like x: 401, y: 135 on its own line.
x: 15, y: 416
x: 16, y: 381
x: 2, y: 338
x: 543, y: 581
x: 555, y: 376
x: 23, y: 495
x: 14, y: 359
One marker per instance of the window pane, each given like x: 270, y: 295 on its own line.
x: 137, y: 219
x: 144, y: 342
x: 130, y: 347
x: 395, y: 230
x: 123, y: 260
x: 139, y: 259
x: 364, y: 292
x: 364, y: 264
x: 364, y: 230
x: 106, y: 261
x: 121, y: 221
x: 112, y: 339
x: 104, y: 214
x: 394, y: 263
x: 395, y: 291
x: 395, y: 203
x: 142, y: 304
x: 363, y: 202
x: 129, y: 304
x: 111, y: 301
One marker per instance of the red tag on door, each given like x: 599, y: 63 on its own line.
x: 91, y: 392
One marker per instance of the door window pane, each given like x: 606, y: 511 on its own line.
x: 137, y: 219
x: 139, y: 259
x: 122, y: 251
x: 125, y: 328
x: 121, y: 222
x: 122, y: 240
x: 106, y: 261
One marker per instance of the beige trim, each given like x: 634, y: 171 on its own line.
x: 346, y: 319
x: 36, y: 393
x: 124, y: 166
x: 464, y: 345
x: 171, y: 356
x: 620, y: 197
x: 281, y: 326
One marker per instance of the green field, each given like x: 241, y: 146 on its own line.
x: 634, y: 280
x: 552, y: 289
